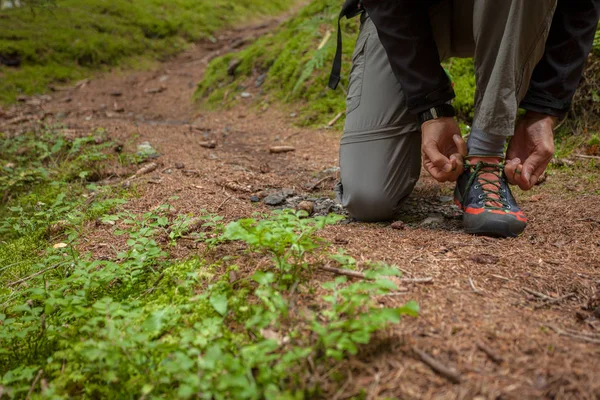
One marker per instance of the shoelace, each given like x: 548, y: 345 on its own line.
x: 495, y: 193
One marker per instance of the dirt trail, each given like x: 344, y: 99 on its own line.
x: 484, y: 290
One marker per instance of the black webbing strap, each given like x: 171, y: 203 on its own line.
x: 351, y: 9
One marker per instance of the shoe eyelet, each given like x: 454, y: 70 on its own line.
x: 480, y: 202
x: 480, y: 196
x: 476, y: 187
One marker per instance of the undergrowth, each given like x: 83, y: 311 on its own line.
x: 137, y: 323
x: 68, y: 39
x: 296, y: 59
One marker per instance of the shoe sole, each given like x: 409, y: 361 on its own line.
x: 490, y: 224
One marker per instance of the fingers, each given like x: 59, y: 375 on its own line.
x: 456, y: 168
x: 461, y: 145
x: 510, y: 170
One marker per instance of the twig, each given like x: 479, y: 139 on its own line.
x: 587, y: 157
x: 490, y: 353
x: 448, y: 373
x: 556, y: 300
x: 502, y: 278
x: 538, y: 294
x: 33, y: 275
x: 346, y: 272
x: 475, y: 290
x: 34, y: 383
x: 335, y: 119
x: 574, y: 336
x: 223, y: 203
x: 360, y: 275
x: 316, y: 185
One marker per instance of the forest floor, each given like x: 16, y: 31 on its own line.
x: 515, y: 318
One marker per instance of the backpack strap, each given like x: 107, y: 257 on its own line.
x: 351, y: 9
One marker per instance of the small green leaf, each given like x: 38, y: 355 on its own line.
x: 219, y: 302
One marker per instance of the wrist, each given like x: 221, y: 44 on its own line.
x: 437, y: 112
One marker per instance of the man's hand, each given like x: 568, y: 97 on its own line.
x: 443, y: 149
x: 530, y: 150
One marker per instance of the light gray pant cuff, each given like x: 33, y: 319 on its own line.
x: 484, y: 144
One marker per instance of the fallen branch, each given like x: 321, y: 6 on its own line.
x: 360, y: 275
x: 448, y: 373
x: 33, y: 275
x: 556, y: 300
x: 490, y: 353
x: 335, y: 119
x: 281, y: 149
x: 538, y: 294
x: 34, y: 383
x: 475, y: 290
x: 223, y: 203
x: 587, y: 157
x: 573, y: 335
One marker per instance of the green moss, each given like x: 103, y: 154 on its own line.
x: 462, y: 72
x: 73, y: 38
x: 296, y: 69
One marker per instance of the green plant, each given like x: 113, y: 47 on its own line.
x: 287, y: 237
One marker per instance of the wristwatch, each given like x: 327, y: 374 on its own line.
x: 443, y: 110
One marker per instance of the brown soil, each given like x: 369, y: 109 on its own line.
x: 483, y: 290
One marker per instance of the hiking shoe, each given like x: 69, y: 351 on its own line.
x: 489, y: 207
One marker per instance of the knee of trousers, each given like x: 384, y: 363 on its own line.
x: 368, y: 205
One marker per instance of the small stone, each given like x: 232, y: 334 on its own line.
x: 179, y: 165
x: 245, y: 95
x: 307, y: 206
x: 260, y: 80
x: 60, y: 245
x: 274, y: 200
x: 287, y: 192
x: 163, y: 78
x: 156, y: 90
x: 434, y: 219
x: 211, y: 144
x: 398, y: 225
x: 34, y: 102
x: 293, y: 115
x: 446, y: 199
x: 254, y: 199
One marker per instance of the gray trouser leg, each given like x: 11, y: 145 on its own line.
x: 380, y: 150
x: 510, y: 37
x: 380, y: 157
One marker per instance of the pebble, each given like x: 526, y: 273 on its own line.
x: 435, y: 219
x: 398, y: 225
x: 446, y: 199
x: 307, y: 206
x: 245, y: 95
x: 274, y: 200
x: 254, y: 199
x: 287, y: 192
